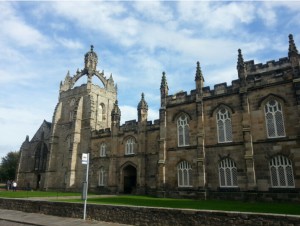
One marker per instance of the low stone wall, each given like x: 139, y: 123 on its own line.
x: 148, y: 216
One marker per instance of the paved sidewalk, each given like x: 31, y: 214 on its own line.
x: 18, y: 218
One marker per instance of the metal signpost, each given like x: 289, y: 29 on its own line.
x: 85, y: 161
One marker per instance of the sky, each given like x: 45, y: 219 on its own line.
x: 40, y: 41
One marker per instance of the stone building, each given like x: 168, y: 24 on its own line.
x: 241, y: 137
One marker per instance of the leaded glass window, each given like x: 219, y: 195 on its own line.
x: 103, y: 150
x: 102, y: 177
x: 281, y: 171
x: 274, y: 119
x: 184, y: 171
x: 224, y: 127
x: 227, y: 173
x: 129, y: 146
x: 183, y: 131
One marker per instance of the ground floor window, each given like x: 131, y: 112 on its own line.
x: 281, y: 171
x: 102, y: 177
x: 184, y: 171
x: 227, y: 173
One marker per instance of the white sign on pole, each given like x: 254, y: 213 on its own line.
x: 84, y: 159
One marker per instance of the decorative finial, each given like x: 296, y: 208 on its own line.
x: 142, y: 104
x: 292, y: 46
x: 92, y: 48
x: 198, y: 72
x: 240, y: 63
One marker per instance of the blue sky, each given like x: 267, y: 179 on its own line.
x: 135, y: 41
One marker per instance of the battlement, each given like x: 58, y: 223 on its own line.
x: 180, y: 97
x: 271, y: 65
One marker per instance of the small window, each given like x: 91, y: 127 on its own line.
x: 274, y: 119
x: 183, y: 131
x: 102, y: 150
x: 184, y: 172
x: 102, y: 177
x: 129, y: 146
x: 224, y: 127
x: 227, y: 173
x: 281, y: 171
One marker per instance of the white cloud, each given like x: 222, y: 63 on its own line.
x: 154, y: 10
x: 15, y: 30
x: 69, y: 43
x: 217, y: 16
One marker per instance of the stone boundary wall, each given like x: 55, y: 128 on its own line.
x: 149, y: 216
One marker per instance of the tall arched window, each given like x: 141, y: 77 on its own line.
x: 274, y: 119
x: 281, y: 171
x: 103, y: 150
x: 183, y: 131
x: 102, y: 177
x: 129, y: 146
x: 227, y: 173
x: 101, y: 112
x: 184, y: 172
x: 71, y: 113
x: 224, y: 127
x: 40, y: 158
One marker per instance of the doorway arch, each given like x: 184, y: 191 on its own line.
x: 129, y: 174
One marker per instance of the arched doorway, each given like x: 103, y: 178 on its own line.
x: 38, y: 181
x: 129, y: 173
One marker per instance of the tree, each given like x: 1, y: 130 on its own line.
x: 9, y: 165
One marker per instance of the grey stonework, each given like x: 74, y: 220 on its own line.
x: 88, y: 116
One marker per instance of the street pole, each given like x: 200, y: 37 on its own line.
x: 85, y: 160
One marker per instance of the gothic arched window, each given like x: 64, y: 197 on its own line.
x: 101, y: 112
x: 103, y: 150
x: 227, y: 173
x: 281, y: 171
x: 40, y: 157
x: 224, y: 127
x: 129, y: 146
x: 184, y: 173
x: 183, y: 131
x: 102, y: 180
x: 274, y: 119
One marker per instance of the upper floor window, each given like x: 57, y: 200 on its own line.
x: 183, y: 131
x: 227, y: 173
x: 281, y: 171
x: 184, y: 173
x: 103, y: 150
x: 102, y: 177
x: 274, y: 119
x: 101, y: 112
x: 224, y: 127
x: 129, y: 146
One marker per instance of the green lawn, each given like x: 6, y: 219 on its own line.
x: 27, y: 194
x: 259, y: 207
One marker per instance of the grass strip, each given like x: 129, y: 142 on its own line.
x: 223, y: 205
x: 132, y: 200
